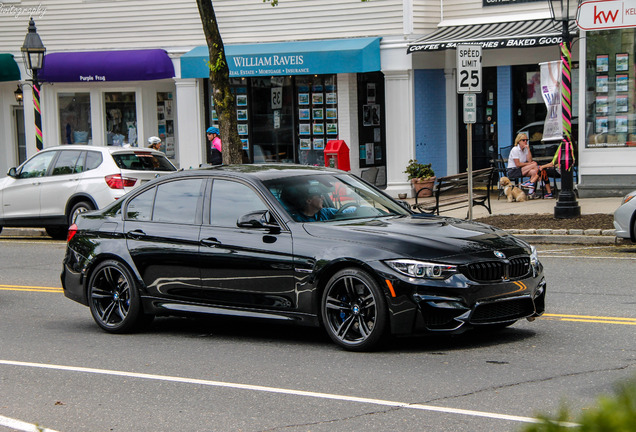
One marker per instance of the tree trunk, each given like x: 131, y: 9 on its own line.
x: 220, y: 83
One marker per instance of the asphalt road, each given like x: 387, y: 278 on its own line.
x: 59, y: 371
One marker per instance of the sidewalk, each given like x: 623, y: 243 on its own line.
x: 499, y: 207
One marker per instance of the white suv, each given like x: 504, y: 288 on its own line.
x: 56, y: 184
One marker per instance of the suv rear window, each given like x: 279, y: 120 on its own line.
x: 143, y: 161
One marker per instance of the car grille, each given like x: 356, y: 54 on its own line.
x: 504, y: 310
x: 492, y: 271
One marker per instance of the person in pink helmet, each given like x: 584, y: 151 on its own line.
x: 215, y: 140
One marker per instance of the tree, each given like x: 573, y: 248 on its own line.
x: 220, y: 81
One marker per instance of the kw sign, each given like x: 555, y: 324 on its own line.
x: 606, y: 14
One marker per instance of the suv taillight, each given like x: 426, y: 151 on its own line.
x: 117, y: 181
x: 72, y: 230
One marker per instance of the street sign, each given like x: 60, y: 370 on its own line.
x: 608, y: 14
x: 468, y: 69
x: 470, y: 108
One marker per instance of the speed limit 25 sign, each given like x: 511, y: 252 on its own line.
x: 468, y: 69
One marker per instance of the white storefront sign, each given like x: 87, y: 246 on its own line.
x: 608, y: 14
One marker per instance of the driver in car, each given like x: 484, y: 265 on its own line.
x: 310, y: 207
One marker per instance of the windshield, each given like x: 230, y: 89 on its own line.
x: 143, y: 161
x: 324, y: 197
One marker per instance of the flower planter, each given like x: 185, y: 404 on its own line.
x: 419, y: 184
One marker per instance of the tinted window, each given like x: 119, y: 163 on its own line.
x: 140, y: 207
x: 66, y: 163
x: 93, y: 160
x: 143, y: 161
x: 178, y: 201
x: 231, y: 200
x: 37, y: 166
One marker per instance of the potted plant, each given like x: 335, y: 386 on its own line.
x: 421, y: 176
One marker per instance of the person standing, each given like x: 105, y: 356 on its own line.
x: 154, y: 142
x: 216, y: 145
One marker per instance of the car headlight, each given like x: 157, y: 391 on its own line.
x: 534, y: 256
x: 422, y: 269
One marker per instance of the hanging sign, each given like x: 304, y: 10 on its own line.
x: 607, y: 14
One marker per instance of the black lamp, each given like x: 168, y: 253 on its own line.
x: 33, y: 53
x: 18, y: 95
x: 566, y: 206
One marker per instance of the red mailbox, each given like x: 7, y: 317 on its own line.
x: 337, y: 155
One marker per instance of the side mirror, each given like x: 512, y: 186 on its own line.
x: 12, y: 173
x: 258, y: 219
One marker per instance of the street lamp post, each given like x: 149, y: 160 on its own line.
x: 567, y: 206
x: 33, y: 54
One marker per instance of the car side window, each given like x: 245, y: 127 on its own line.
x: 231, y: 200
x: 140, y: 207
x: 37, y: 166
x: 93, y: 160
x: 66, y: 162
x: 177, y: 201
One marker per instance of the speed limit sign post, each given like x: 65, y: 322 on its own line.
x: 469, y: 81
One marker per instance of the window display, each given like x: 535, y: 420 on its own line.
x: 75, y: 118
x: 165, y: 122
x: 121, y: 118
x: 610, y: 111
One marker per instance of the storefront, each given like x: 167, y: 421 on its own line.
x: 608, y: 156
x: 110, y: 98
x: 510, y: 100
x: 11, y: 114
x: 292, y: 98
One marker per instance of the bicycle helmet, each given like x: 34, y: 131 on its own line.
x: 154, y: 140
x: 213, y: 130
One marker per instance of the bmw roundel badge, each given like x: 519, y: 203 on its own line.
x: 499, y: 254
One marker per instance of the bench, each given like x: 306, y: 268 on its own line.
x: 451, y: 192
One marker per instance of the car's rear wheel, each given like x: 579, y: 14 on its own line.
x: 80, y: 207
x: 354, y: 311
x: 114, y: 299
x: 57, y: 232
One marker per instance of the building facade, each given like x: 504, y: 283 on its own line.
x: 379, y: 75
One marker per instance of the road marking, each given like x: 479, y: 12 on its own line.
x: 591, y: 319
x: 30, y: 288
x: 266, y: 389
x: 22, y: 426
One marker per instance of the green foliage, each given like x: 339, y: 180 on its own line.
x: 615, y: 413
x: 417, y: 170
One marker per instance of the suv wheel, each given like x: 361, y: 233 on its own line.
x: 80, y: 207
x: 57, y: 232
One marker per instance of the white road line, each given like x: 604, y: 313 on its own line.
x: 279, y: 390
x: 22, y: 426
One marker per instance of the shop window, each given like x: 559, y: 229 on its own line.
x: 371, y: 121
x: 121, y: 118
x: 610, y: 72
x: 165, y: 122
x: 75, y: 118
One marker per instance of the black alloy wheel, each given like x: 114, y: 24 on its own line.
x: 57, y: 232
x: 114, y: 299
x: 354, y: 311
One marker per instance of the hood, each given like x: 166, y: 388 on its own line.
x: 421, y: 237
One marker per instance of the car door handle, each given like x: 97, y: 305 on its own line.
x: 136, y: 234
x: 210, y: 242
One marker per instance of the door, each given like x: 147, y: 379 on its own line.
x: 61, y: 183
x: 21, y: 195
x: 484, y: 129
x: 248, y: 267
x: 162, y: 234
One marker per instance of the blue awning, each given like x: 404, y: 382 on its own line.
x: 101, y: 66
x: 289, y: 58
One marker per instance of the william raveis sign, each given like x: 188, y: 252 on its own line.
x: 268, y: 65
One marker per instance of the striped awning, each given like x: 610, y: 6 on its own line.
x: 516, y: 34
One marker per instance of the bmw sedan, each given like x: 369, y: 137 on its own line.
x: 297, y: 244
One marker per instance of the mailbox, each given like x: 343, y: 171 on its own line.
x: 337, y: 155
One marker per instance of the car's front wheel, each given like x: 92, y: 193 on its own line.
x: 354, y: 310
x: 114, y: 299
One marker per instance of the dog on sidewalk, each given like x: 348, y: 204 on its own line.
x: 513, y: 193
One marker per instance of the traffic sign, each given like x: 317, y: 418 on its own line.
x: 468, y: 69
x: 470, y: 108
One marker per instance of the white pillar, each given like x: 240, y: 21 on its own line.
x: 452, y: 147
x: 191, y: 121
x: 400, y: 135
x: 348, y: 117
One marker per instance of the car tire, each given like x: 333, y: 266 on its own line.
x: 80, y: 207
x: 114, y: 299
x: 57, y: 232
x: 354, y: 311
